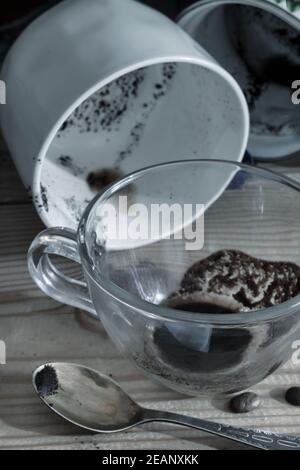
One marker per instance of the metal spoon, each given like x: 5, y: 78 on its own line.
x: 95, y: 402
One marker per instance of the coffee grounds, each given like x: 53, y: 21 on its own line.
x: 278, y: 43
x: 105, y: 110
x: 183, y: 355
x: 99, y: 180
x: 231, y: 281
x: 204, y: 359
x: 74, y: 207
x: 160, y: 90
x: 174, y: 360
x: 47, y: 382
x: 281, y: 70
x: 67, y: 162
x: 44, y: 197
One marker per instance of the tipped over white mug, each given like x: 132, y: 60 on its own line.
x: 111, y: 85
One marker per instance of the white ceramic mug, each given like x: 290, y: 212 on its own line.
x: 111, y: 86
x: 258, y: 42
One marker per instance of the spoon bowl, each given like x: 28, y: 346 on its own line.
x: 86, y: 398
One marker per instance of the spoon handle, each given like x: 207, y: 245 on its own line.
x: 255, y: 438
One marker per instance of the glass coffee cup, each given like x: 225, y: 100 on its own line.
x: 137, y: 285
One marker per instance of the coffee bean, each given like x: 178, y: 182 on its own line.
x: 244, y: 403
x: 292, y: 396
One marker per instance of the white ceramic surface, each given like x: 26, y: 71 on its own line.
x: 111, y: 84
x: 258, y: 41
x: 137, y: 210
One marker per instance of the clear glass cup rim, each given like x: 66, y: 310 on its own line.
x: 164, y: 313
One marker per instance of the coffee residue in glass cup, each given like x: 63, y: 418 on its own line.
x: 230, y: 281
x: 200, y: 357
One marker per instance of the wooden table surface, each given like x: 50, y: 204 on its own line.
x: 37, y: 329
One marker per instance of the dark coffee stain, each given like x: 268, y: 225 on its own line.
x: 202, y: 307
x: 106, y: 109
x: 99, y: 180
x: 160, y: 90
x: 226, y: 349
x: 67, y: 162
x: 44, y: 197
x: 280, y: 69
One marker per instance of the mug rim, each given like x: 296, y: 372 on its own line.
x: 263, y: 4
x: 166, y: 313
x: 207, y: 63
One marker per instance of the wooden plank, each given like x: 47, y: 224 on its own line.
x: 19, y: 225
x: 11, y: 188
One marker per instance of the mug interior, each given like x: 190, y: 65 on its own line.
x: 162, y: 112
x: 262, y: 51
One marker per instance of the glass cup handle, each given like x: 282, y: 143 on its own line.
x: 60, y: 242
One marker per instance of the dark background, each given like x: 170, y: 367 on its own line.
x: 14, y: 9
